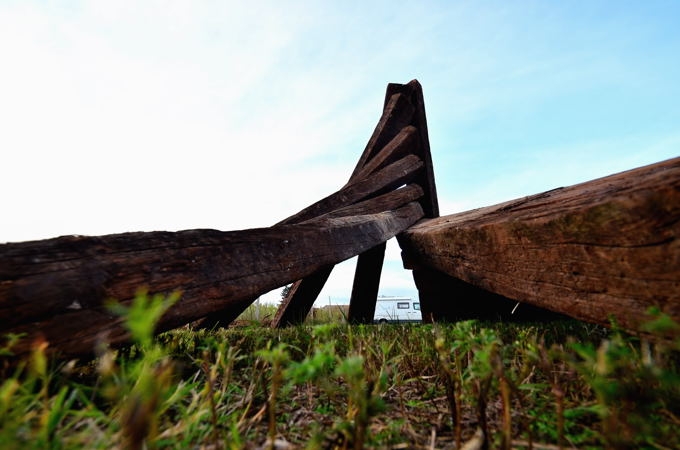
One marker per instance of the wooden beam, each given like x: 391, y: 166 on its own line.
x: 385, y: 202
x: 366, y: 284
x: 429, y: 301
x: 56, y: 288
x: 403, y: 143
x: 302, y: 295
x: 391, y: 177
x: 295, y: 307
x: 397, y: 114
x: 412, y: 138
x: 301, y: 298
x: 606, y: 248
x: 297, y: 304
x: 414, y: 92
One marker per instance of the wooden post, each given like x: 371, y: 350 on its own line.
x: 300, y: 298
x: 414, y: 91
x: 366, y: 285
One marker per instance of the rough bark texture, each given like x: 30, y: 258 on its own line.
x: 604, y: 248
x: 56, y: 288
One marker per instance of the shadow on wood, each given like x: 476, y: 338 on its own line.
x: 444, y: 298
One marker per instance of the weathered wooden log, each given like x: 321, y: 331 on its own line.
x: 369, y: 265
x: 601, y: 249
x: 384, y: 202
x: 413, y: 90
x: 56, y: 288
x: 397, y: 148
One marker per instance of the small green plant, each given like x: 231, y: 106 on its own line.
x: 633, y: 390
x: 277, y: 357
x: 337, y: 386
x: 141, y: 385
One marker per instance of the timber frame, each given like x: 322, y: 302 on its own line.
x: 604, y: 248
x: 401, y: 133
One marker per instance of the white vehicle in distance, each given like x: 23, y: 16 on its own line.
x: 397, y: 310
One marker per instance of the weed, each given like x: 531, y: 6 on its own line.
x: 339, y: 386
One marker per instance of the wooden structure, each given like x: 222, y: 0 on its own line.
x: 56, y: 289
x: 400, y: 133
x: 608, y: 247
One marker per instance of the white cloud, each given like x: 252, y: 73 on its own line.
x: 115, y: 123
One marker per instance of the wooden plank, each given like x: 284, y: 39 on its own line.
x: 369, y: 266
x: 606, y: 247
x: 57, y: 287
x: 403, y: 144
x: 301, y: 298
x: 303, y: 293
x: 391, y: 177
x: 366, y: 284
x: 414, y: 91
x: 385, y: 202
x: 397, y: 114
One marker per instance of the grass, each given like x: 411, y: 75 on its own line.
x: 542, y: 386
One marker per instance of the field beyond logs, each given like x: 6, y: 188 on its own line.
x: 327, y: 386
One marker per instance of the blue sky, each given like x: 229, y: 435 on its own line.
x: 128, y: 116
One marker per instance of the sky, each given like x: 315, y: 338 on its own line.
x: 167, y: 115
